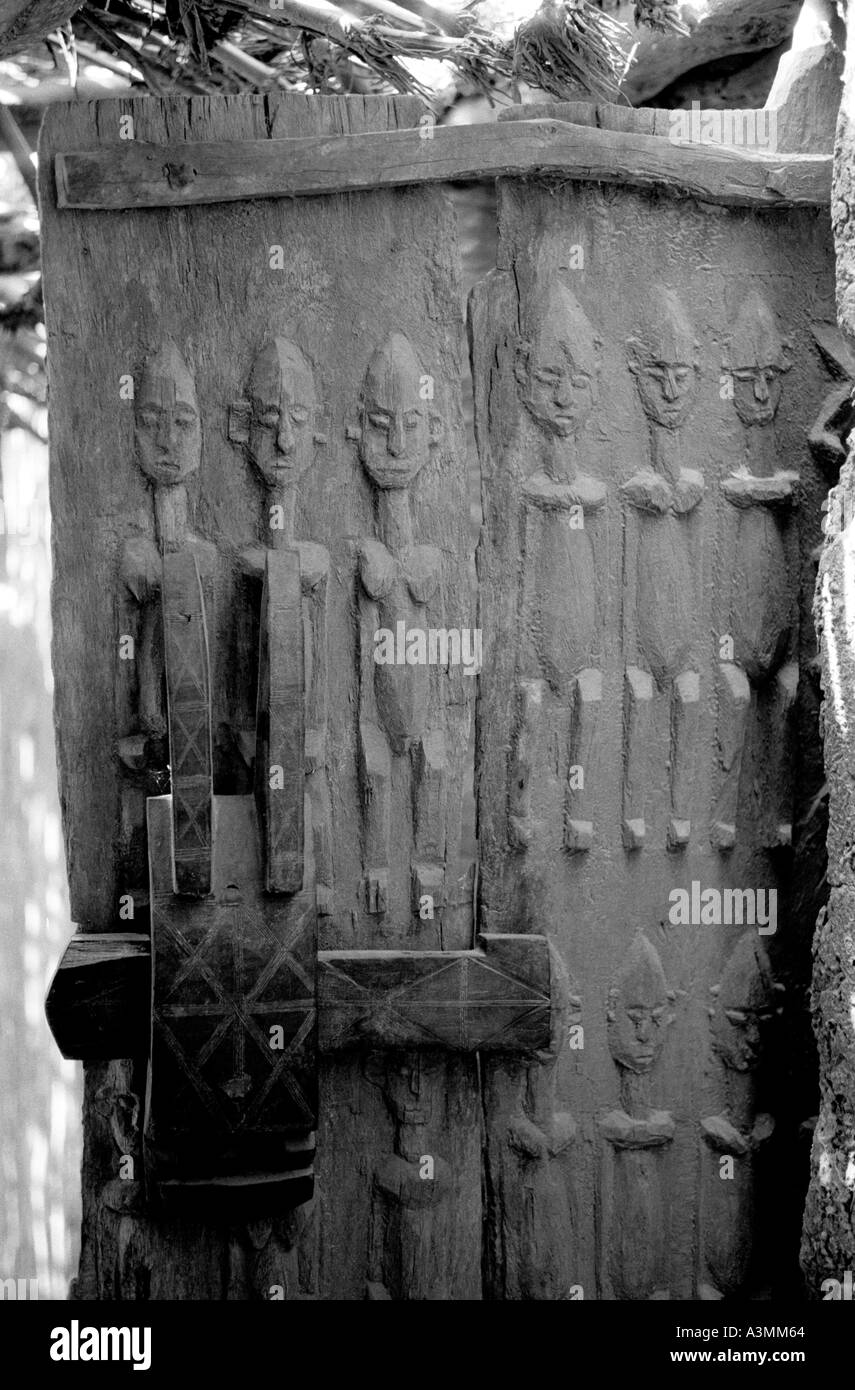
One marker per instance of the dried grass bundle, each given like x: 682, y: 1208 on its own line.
x: 570, y: 47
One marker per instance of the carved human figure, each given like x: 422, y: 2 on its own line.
x: 744, y: 1003
x: 279, y: 426
x: 123, y: 1230
x: 559, y: 689
x: 633, y: 1255
x: 168, y: 443
x: 276, y: 1258
x: 758, y: 603
x: 411, y: 1230
x: 398, y: 579
x: 661, y: 644
x: 530, y: 1218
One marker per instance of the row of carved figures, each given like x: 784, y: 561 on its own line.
x: 530, y: 1220
x: 560, y: 678
x: 277, y: 425
x: 533, y: 1222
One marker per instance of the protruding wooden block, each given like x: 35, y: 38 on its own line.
x: 498, y: 998
x: 97, y: 1005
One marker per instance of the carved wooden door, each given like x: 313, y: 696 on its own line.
x: 350, y: 1077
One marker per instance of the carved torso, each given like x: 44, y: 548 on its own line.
x: 401, y: 585
x: 760, y: 608
x: 565, y: 617
x: 666, y: 585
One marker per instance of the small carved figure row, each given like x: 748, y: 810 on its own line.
x: 398, y: 715
x: 531, y: 1239
x: 413, y: 1230
x: 559, y: 677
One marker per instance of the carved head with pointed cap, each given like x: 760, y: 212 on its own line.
x: 746, y: 1001
x: 277, y: 422
x: 396, y: 433
x: 757, y: 358
x: 167, y: 427
x: 663, y: 358
x: 557, y: 367
x: 639, y: 1009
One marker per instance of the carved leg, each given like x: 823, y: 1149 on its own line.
x: 684, y: 728
x: 188, y: 683
x: 376, y: 776
x: 734, y: 703
x: 579, y: 825
x: 320, y: 810
x: 633, y: 1250
x: 523, y: 761
x: 314, y: 571
x: 638, y: 710
x: 430, y: 795
x: 726, y: 1211
x: 780, y: 734
x: 150, y: 662
x: 280, y: 756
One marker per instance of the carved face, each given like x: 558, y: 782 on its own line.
x: 282, y: 413
x: 639, y: 1011
x: 759, y: 357
x: 662, y: 360
x: 167, y: 431
x: 746, y: 1004
x: 408, y: 1083
x: 557, y: 380
x: 395, y: 431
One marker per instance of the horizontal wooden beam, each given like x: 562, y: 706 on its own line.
x: 99, y: 1002
x: 132, y: 174
x: 500, y: 997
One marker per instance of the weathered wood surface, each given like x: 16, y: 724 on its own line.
x: 233, y: 1071
x: 642, y: 568
x: 98, y: 1004
x: 347, y: 271
x: 280, y: 722
x: 132, y: 174
x: 828, y: 1239
x: 188, y: 700
x: 501, y: 997
x: 634, y: 432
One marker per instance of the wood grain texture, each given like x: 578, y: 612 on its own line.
x: 347, y: 271
x: 134, y: 175
x: 98, y: 1001
x: 654, y: 579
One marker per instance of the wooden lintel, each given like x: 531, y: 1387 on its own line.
x: 132, y: 174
